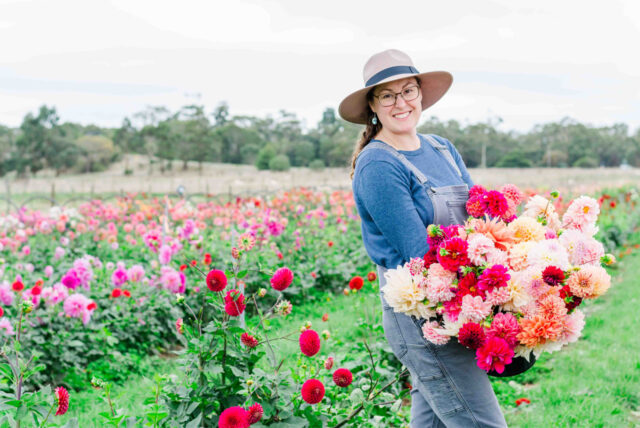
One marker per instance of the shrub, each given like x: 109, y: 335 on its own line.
x: 515, y: 159
x: 317, y: 165
x: 586, y: 162
x: 279, y: 163
x: 265, y: 155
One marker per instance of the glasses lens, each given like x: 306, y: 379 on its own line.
x: 410, y: 93
x: 387, y: 99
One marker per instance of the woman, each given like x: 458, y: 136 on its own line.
x: 402, y: 182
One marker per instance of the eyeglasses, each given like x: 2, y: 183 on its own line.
x: 387, y: 99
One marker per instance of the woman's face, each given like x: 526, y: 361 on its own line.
x: 403, y: 116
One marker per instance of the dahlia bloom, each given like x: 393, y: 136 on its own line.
x: 71, y: 279
x: 356, y: 283
x: 432, y: 332
x: 471, y: 335
x: 234, y: 303
x: 453, y: 253
x: 255, y: 413
x: 119, y: 276
x: 62, y: 397
x: 284, y: 308
x: 6, y: 327
x: 248, y: 340
x: 474, y: 308
x: 498, y: 296
x: 164, y: 254
x: 54, y: 295
x: 172, y: 280
x: 573, y: 325
x: 494, y: 354
x: 438, y: 284
x: 216, y: 280
x: 527, y: 229
x: 589, y: 282
x: 538, y: 330
x: 505, y: 326
x: 76, y: 306
x: 553, y: 275
x: 495, y: 276
x: 581, y: 213
x: 135, y: 273
x: 6, y: 294
x: 342, y: 377
x: 282, y: 279
x: 549, y: 252
x: 234, y: 417
x: 246, y: 241
x: 494, y: 229
x: 478, y: 247
x: 405, y: 294
x: 309, y: 343
x: 328, y: 363
x: 312, y: 391
x: 371, y: 276
x: 476, y: 206
x: 416, y: 266
x: 496, y: 203
x: 513, y: 193
x: 476, y: 190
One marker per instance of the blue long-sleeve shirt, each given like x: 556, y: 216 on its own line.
x: 393, y: 205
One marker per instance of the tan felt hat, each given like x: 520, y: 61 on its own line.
x: 388, y: 66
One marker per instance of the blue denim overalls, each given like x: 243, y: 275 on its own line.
x: 449, y: 389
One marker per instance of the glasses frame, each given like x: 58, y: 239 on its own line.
x: 395, y: 94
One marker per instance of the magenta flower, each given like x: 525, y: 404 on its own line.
x: 119, y: 276
x: 505, y: 326
x: 494, y: 354
x: 493, y: 277
x: 70, y: 279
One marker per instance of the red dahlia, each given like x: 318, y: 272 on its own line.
x: 309, y: 343
x: 431, y: 257
x: 468, y: 284
x: 476, y: 206
x: 497, y: 204
x: 62, y: 396
x: 471, y: 335
x: 282, y: 279
x: 248, y: 340
x: 36, y: 290
x: 342, y: 377
x: 312, y: 391
x: 234, y: 417
x: 453, y: 254
x: 116, y: 292
x: 255, y: 413
x: 216, y: 280
x: 553, y: 275
x: 92, y: 306
x: 17, y: 286
x: 570, y: 301
x: 371, y: 276
x: 356, y: 283
x: 234, y: 303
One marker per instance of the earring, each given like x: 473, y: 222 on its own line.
x: 374, y: 119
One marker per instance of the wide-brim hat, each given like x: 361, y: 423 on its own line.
x: 388, y: 66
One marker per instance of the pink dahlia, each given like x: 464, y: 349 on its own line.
x: 494, y: 277
x: 70, y: 279
x: 477, y: 190
x: 216, y: 280
x: 435, y: 235
x: 453, y: 254
x: 471, y: 335
x: 248, y: 340
x: 512, y: 193
x: 328, y: 363
x: 312, y: 391
x: 494, y: 354
x: 506, y: 327
x: 255, y: 413
x: 429, y: 333
x: 497, y: 204
x: 342, y: 377
x: 62, y: 396
x: 476, y: 206
x: 234, y: 417
x: 438, y: 284
x: 309, y: 343
x: 474, y: 308
x: 234, y: 303
x: 498, y: 296
x: 282, y: 279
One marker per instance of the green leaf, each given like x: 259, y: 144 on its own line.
x: 242, y: 274
x: 396, y: 406
x: 357, y: 396
x: 195, y: 422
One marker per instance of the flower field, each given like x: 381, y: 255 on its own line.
x: 217, y: 289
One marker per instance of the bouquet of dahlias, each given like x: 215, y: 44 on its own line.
x: 505, y: 285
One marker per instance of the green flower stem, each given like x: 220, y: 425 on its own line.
x: 44, y: 423
x: 272, y: 354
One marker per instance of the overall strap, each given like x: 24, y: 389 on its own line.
x: 444, y: 150
x: 384, y: 146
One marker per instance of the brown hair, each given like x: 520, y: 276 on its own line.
x: 370, y: 130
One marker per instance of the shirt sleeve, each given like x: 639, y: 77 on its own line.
x: 384, y: 189
x: 456, y: 156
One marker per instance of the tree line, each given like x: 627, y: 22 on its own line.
x: 191, y: 134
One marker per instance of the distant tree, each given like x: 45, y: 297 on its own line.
x: 97, y: 152
x: 221, y: 114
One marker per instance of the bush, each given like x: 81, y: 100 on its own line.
x: 514, y: 159
x: 265, y: 155
x: 279, y: 163
x: 586, y: 162
x: 317, y: 165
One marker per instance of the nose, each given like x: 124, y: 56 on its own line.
x: 400, y: 102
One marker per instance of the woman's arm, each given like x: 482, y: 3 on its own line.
x: 383, y: 187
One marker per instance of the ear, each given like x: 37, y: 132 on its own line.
x: 372, y: 106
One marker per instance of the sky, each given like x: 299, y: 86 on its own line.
x: 525, y: 62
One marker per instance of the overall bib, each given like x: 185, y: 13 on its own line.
x: 448, y: 388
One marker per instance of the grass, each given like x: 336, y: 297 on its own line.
x: 593, y: 383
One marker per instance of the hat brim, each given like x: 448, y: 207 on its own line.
x: 434, y: 85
